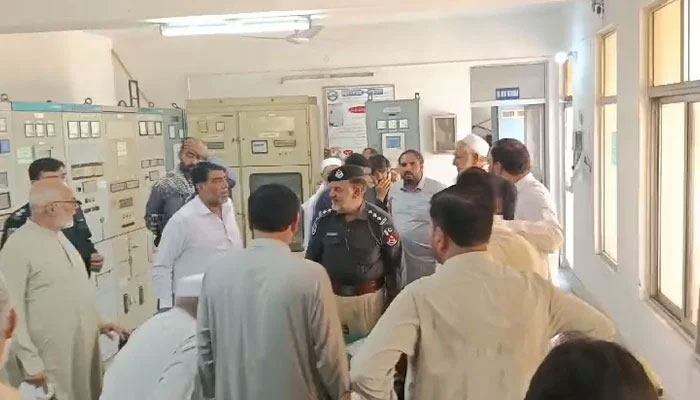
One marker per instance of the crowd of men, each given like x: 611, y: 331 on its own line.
x: 444, y: 290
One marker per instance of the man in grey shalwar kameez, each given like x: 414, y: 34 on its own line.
x: 58, y: 324
x: 267, y: 325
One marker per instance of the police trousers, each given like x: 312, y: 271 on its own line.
x: 359, y: 314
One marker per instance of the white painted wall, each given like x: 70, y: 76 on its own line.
x: 430, y: 57
x: 59, y: 66
x: 618, y: 292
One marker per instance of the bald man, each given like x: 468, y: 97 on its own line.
x: 58, y: 325
x: 173, y: 190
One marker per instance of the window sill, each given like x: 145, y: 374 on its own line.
x: 608, y: 260
x: 670, y: 320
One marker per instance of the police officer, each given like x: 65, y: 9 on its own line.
x: 79, y: 234
x: 357, y: 243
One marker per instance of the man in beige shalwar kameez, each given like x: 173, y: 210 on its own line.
x: 58, y: 324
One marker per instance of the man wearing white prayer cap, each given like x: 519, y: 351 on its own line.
x: 160, y: 359
x: 471, y: 151
x: 309, y: 205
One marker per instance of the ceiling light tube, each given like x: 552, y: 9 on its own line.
x: 240, y: 27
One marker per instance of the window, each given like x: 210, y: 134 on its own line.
x: 608, y: 148
x: 675, y: 158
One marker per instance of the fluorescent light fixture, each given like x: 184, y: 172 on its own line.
x: 240, y: 27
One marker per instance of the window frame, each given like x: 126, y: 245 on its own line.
x: 687, y: 93
x: 680, y: 315
x: 603, y: 101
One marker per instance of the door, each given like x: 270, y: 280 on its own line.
x: 525, y: 123
x: 567, y: 257
x: 294, y: 177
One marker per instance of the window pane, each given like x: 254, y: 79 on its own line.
x: 694, y: 39
x: 672, y: 181
x: 667, y: 44
x: 610, y: 65
x: 694, y: 286
x: 609, y: 160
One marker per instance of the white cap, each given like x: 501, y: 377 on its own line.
x: 476, y: 144
x: 331, y: 162
x: 189, y: 286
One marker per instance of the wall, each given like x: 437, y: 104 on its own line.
x: 621, y: 292
x: 430, y: 57
x: 60, y: 66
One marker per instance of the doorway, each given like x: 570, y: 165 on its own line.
x: 523, y: 122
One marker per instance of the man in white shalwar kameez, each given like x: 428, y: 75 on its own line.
x: 160, y: 359
x: 58, y: 324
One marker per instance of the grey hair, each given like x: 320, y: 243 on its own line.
x: 40, y: 196
x: 4, y: 303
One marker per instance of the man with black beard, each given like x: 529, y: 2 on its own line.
x: 173, y: 190
x: 409, y: 205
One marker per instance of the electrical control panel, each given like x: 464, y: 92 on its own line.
x: 219, y: 132
x: 266, y: 140
x: 37, y: 133
x: 7, y: 161
x: 173, y: 134
x: 85, y: 163
x: 393, y: 126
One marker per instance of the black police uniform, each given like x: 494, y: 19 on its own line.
x: 79, y: 234
x: 359, y: 251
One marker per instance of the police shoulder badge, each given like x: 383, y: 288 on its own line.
x: 392, y: 240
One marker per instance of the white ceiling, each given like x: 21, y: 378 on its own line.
x: 52, y: 15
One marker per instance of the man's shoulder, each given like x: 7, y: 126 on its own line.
x: 435, y: 185
x: 323, y: 216
x: 19, y: 216
x: 377, y: 215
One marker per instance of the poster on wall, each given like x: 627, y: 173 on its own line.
x: 345, y: 114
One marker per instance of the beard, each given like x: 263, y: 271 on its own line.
x: 186, y: 169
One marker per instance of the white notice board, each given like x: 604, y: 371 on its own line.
x: 346, y: 114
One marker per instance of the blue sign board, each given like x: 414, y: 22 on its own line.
x: 508, y: 93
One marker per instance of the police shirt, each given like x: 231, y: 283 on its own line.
x: 79, y: 234
x: 357, y: 251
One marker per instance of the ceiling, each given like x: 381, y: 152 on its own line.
x: 51, y: 15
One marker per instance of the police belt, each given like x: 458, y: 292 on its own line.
x: 358, y: 290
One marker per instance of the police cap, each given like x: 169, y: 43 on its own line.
x: 346, y: 173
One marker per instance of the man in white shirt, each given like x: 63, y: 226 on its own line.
x: 157, y: 362
x: 510, y: 160
x: 475, y: 329
x: 201, y: 230
x: 509, y: 244
x: 409, y: 205
x: 471, y: 151
x: 267, y: 326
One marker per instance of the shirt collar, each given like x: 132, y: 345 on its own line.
x: 524, y: 181
x: 38, y: 228
x: 419, y: 187
x: 364, y: 214
x: 456, y: 264
x: 269, y: 244
x: 201, y: 209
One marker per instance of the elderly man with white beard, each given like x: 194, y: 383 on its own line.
x: 58, y: 325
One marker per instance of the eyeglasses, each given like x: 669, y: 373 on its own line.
x: 75, y: 203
